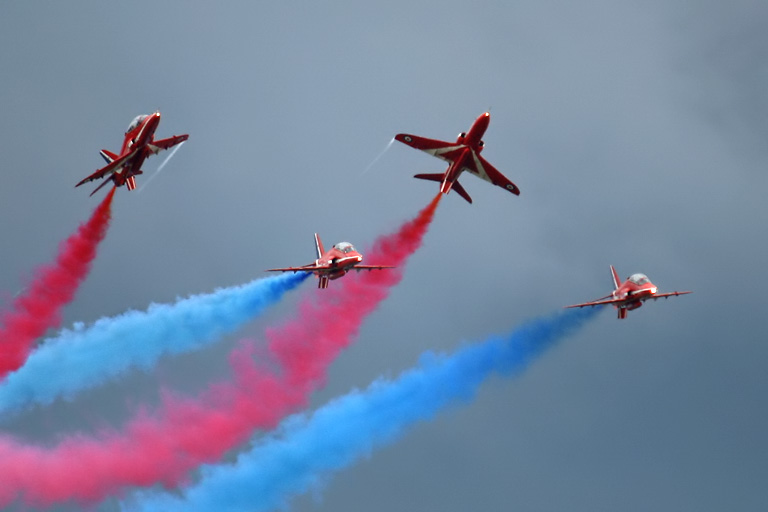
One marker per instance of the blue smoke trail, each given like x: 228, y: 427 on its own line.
x: 82, y: 358
x: 292, y: 461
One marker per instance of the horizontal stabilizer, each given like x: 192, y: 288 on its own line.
x: 99, y: 187
x: 460, y: 190
x: 453, y: 186
x: 431, y: 177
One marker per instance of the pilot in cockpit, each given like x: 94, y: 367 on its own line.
x: 136, y: 122
x: 344, y: 247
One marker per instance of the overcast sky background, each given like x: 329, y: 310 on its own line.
x: 636, y: 132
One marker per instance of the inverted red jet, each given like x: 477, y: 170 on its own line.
x: 462, y: 155
x: 139, y: 143
x: 332, y: 264
x: 630, y: 294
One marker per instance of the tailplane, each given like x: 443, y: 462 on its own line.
x: 430, y: 177
x: 460, y: 190
x: 445, y: 189
x: 110, y: 179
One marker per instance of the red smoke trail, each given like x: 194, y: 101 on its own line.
x: 163, y: 446
x: 306, y: 348
x: 38, y: 308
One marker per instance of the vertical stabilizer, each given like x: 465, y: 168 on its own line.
x: 319, y: 246
x: 616, y: 280
x: 108, y: 156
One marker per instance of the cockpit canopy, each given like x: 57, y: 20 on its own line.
x: 344, y: 247
x: 639, y: 279
x: 136, y: 122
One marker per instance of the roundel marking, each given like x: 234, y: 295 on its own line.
x: 510, y: 187
x: 407, y: 139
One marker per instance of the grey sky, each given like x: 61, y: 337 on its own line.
x: 635, y: 130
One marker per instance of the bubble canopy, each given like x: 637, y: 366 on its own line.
x: 345, y: 247
x: 136, y: 122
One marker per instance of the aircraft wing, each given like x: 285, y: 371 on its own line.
x: 598, y: 303
x: 444, y: 150
x: 486, y: 171
x: 666, y: 295
x: 601, y: 302
x: 372, y: 267
x: 306, y: 268
x: 108, y: 169
x: 163, y: 144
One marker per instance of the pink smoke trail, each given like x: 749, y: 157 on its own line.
x: 39, y: 307
x: 164, y: 446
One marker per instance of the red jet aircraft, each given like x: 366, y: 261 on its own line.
x: 630, y: 294
x: 463, y: 155
x: 139, y: 143
x: 332, y: 264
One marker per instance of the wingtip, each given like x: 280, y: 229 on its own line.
x: 402, y: 137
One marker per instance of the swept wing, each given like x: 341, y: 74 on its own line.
x: 108, y: 169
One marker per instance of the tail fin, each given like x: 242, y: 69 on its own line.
x: 622, y: 313
x: 108, y: 156
x: 130, y: 182
x: 320, y: 251
x: 616, y: 280
x: 323, y: 282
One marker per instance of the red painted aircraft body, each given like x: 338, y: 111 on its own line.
x: 139, y: 143
x: 630, y: 294
x: 462, y: 155
x: 333, y: 263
